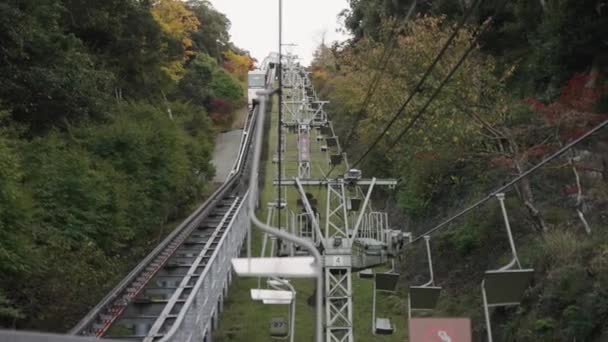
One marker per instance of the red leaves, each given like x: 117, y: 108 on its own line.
x: 579, y: 95
x: 540, y: 150
x: 220, y: 110
x: 570, y: 189
x: 574, y: 111
x: 502, y: 161
x: 238, y: 65
x: 221, y: 106
x: 575, y: 106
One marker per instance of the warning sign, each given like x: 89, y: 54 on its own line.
x: 440, y: 330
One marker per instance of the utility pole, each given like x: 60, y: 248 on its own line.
x: 280, y: 123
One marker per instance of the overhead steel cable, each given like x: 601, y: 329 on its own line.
x: 389, y: 48
x: 514, y: 181
x: 418, y: 86
x: 386, y: 56
x: 476, y: 35
x: 438, y: 90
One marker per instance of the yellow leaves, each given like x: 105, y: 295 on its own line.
x: 238, y: 65
x: 174, y: 70
x: 177, y: 21
x: 174, y: 18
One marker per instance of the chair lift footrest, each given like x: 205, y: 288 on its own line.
x: 384, y: 326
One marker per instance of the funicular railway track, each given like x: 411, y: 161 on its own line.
x: 184, y: 279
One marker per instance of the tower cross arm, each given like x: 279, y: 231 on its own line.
x: 291, y: 182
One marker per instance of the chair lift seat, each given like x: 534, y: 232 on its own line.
x: 506, y: 287
x: 279, y: 327
x: 354, y: 204
x: 272, y: 295
x: 335, y: 159
x: 384, y: 326
x: 331, y: 142
x: 424, y: 297
x: 386, y: 281
x: 273, y: 282
x: 366, y: 273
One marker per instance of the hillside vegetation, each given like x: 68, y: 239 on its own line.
x: 108, y: 111
x: 534, y: 81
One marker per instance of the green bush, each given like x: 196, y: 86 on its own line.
x: 226, y: 86
x: 205, y: 80
x: 77, y: 208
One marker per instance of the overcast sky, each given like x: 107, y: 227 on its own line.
x: 255, y: 24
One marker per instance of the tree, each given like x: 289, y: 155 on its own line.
x: 212, y: 36
x: 177, y: 21
x: 50, y: 79
x: 238, y: 65
x: 123, y: 37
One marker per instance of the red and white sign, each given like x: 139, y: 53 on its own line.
x: 440, y: 330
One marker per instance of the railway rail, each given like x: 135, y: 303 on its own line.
x: 176, y: 292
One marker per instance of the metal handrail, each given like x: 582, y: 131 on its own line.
x: 201, y: 278
x: 188, y: 225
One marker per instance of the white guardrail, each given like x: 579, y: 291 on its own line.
x: 202, y: 308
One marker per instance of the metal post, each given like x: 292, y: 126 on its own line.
x: 292, y: 306
x: 264, y: 242
x: 280, y: 123
x: 362, y: 211
x: 409, y: 307
x: 374, y: 306
x: 253, y: 193
x: 427, y: 240
x: 501, y: 199
x: 486, y: 311
x: 309, y: 211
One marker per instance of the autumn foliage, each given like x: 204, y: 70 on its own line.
x: 574, y: 112
x: 238, y: 65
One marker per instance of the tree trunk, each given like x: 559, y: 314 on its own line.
x: 594, y: 73
x: 169, y: 111
x: 528, y: 198
x: 601, y: 149
x: 524, y: 185
x: 579, y: 197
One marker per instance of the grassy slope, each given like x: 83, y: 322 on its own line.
x: 246, y: 320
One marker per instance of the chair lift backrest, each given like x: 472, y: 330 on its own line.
x: 386, y: 281
x: 424, y: 298
x: 506, y: 287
